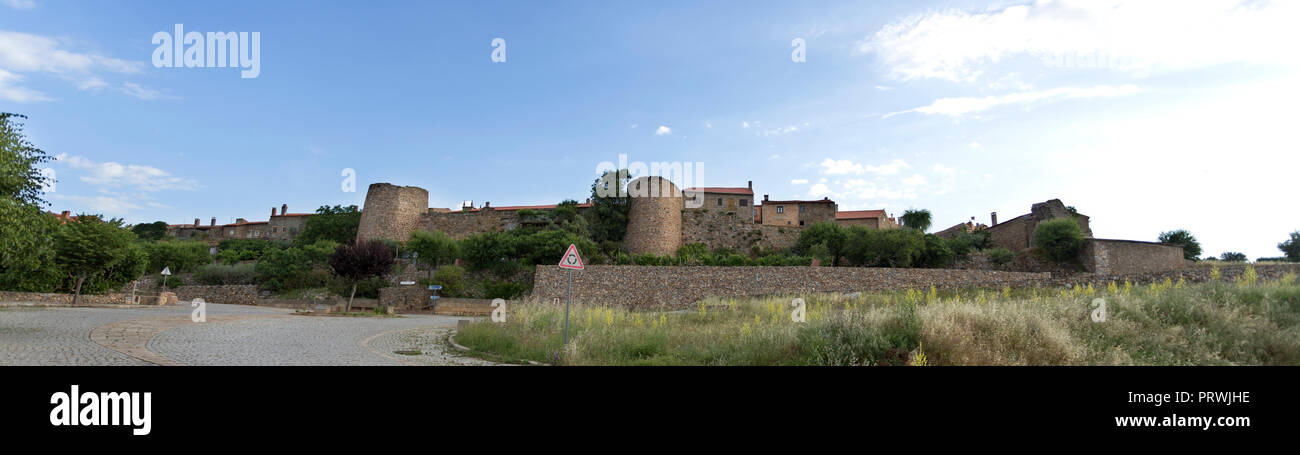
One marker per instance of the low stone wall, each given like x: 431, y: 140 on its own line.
x: 1201, y: 273
x: 404, y: 298
x: 236, y: 294
x: 638, y: 286
x: 1128, y: 257
x: 65, y: 299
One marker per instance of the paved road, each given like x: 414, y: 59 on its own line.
x: 233, y: 335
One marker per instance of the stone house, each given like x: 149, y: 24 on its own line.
x: 796, y: 213
x: 873, y: 219
x: 738, y: 201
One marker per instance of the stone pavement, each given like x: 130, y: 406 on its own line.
x: 232, y: 335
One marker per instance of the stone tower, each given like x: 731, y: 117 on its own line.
x: 654, y: 223
x: 392, y: 212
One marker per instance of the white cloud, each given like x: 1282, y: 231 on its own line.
x: 959, y: 106
x: 663, y: 131
x: 140, y: 177
x: 133, y: 89
x: 888, y: 169
x: 1128, y: 36
x: 744, y: 124
x: 20, y: 4
x: 819, y: 190
x: 799, y: 182
x: 915, y: 180
x: 108, y: 205
x: 974, y: 145
x: 10, y: 90
x: 708, y: 125
x: 840, y: 167
x: 27, y: 53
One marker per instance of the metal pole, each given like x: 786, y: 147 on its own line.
x: 568, y: 297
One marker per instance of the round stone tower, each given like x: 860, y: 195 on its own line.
x: 392, y: 212
x: 654, y: 222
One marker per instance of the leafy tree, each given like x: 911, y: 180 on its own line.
x: 295, y: 267
x: 178, y: 256
x: 1291, y: 247
x: 884, y: 247
x: 434, y: 248
x: 26, y: 232
x: 338, y: 224
x: 1232, y: 256
x: 1191, y: 248
x: 89, y: 245
x: 826, y: 233
x: 916, y: 219
x: 607, y: 217
x: 359, y: 261
x: 150, y: 231
x: 1060, y: 239
x: 937, y: 253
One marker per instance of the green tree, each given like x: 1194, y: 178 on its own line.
x: 89, y: 245
x: 826, y: 233
x: 1291, y: 247
x: 338, y: 224
x: 26, y: 232
x: 916, y: 219
x: 178, y: 256
x: 434, y: 248
x: 1232, y: 256
x: 359, y: 261
x: 1060, y: 239
x: 1191, y: 248
x: 150, y: 231
x: 607, y: 217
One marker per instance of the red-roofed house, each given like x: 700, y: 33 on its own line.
x: 734, y: 200
x: 874, y: 219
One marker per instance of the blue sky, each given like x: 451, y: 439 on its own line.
x: 1147, y: 116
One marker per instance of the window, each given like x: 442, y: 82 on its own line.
x: 780, y: 209
x: 719, y: 202
x: 803, y: 209
x: 744, y: 202
x: 801, y: 222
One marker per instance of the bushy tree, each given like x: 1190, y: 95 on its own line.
x: 296, y: 267
x: 150, y: 231
x: 359, y: 261
x: 916, y: 219
x: 178, y: 256
x: 337, y: 224
x: 1232, y: 256
x: 607, y: 217
x: 827, y: 234
x: 26, y: 232
x: 1191, y: 248
x: 89, y: 245
x: 885, y: 247
x: 435, y: 248
x: 1291, y: 247
x: 1059, y: 239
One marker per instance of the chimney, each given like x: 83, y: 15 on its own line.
x: 751, y: 185
x: 240, y: 221
x: 284, y: 209
x: 196, y: 222
x: 995, y: 219
x: 764, y: 198
x: 487, y: 204
x: 214, y: 221
x: 273, y: 212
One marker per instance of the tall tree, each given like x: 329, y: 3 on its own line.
x: 337, y: 223
x: 916, y: 219
x: 26, y: 233
x: 1191, y: 248
x: 358, y: 261
x: 608, y: 215
x: 434, y: 248
x: 150, y: 231
x: 89, y: 245
x: 827, y: 233
x: 1291, y: 247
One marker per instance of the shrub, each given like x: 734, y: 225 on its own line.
x: 885, y: 248
x: 367, y: 288
x: 292, y: 268
x: 236, y: 250
x: 222, y: 274
x: 1060, y: 239
x: 1191, y: 248
x: 937, y: 253
x: 965, y: 242
x: 452, y: 280
x: 827, y: 234
x: 178, y: 256
x: 1232, y: 256
x: 1001, y: 256
x: 1291, y: 247
x: 504, y: 289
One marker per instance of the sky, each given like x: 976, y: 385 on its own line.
x: 1147, y: 116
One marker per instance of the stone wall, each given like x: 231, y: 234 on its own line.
x: 405, y: 298
x: 1017, y: 234
x: 65, y: 299
x: 654, y: 217
x: 459, y: 225
x: 720, y: 229
x: 235, y: 294
x: 642, y: 286
x: 1127, y: 257
x: 392, y: 212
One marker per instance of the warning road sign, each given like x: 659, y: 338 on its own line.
x: 571, y: 260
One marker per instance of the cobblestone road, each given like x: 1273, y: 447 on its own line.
x: 233, y: 335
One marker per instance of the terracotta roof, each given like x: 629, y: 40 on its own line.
x: 243, y: 224
x: 528, y: 207
x: 723, y: 190
x: 818, y: 201
x: 859, y: 214
x: 296, y: 214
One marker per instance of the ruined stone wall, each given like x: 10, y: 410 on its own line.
x: 1127, y: 257
x: 649, y: 286
x: 459, y: 225
x: 655, y: 217
x: 721, y: 229
x: 392, y: 212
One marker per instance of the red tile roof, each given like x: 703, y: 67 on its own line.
x: 859, y: 214
x: 528, y: 207
x: 723, y: 190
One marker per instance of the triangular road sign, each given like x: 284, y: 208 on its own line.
x: 571, y: 260
x: 167, y: 271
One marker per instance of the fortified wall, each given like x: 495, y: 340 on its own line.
x: 392, y: 212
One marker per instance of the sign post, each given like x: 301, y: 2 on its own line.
x: 167, y: 271
x: 570, y: 261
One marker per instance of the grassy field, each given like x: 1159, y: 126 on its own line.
x: 1221, y: 323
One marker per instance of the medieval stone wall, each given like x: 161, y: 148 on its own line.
x: 459, y: 225
x: 392, y: 212
x: 1127, y: 257
x: 720, y: 229
x: 644, y: 286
